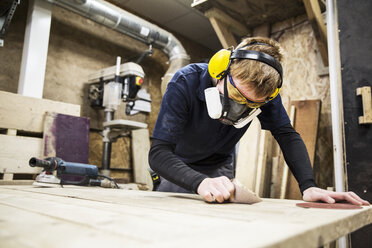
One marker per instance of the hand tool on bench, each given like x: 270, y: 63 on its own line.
x: 58, y: 171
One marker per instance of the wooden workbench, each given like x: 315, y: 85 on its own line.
x: 96, y: 217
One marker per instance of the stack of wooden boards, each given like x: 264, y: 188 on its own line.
x: 260, y: 165
x: 32, y: 127
x: 22, y: 125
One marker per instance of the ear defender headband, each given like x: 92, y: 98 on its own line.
x: 219, y: 64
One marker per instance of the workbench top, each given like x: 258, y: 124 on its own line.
x: 95, y: 217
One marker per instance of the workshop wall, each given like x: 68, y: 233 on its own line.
x: 306, y: 78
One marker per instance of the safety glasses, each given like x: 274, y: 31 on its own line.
x: 239, y: 97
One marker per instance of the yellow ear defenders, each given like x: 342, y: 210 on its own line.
x: 219, y: 64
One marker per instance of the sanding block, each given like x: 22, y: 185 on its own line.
x: 243, y: 195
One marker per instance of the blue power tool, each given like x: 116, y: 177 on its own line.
x: 68, y: 172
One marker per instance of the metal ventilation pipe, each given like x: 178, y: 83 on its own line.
x: 124, y: 22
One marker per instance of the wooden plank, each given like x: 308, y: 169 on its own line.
x: 181, y: 220
x: 8, y: 177
x: 235, y: 26
x: 27, y: 113
x: 11, y: 132
x: 225, y: 36
x: 269, y: 164
x: 49, y: 137
x: 262, y: 163
x: 140, y: 150
x: 275, y: 171
x: 280, y: 167
x: 17, y: 182
x: 316, y: 20
x: 274, y: 176
x: 16, y: 151
x: 125, y: 219
x: 23, y: 221
x: 246, y: 162
x: 306, y: 124
x: 365, y: 92
x: 283, y: 189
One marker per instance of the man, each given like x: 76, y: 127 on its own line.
x: 207, y: 108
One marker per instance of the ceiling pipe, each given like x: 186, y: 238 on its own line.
x: 124, y: 22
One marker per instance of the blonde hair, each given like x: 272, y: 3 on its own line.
x: 263, y: 78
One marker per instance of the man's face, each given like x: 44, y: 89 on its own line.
x: 242, y: 94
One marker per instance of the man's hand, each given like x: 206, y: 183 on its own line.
x: 313, y: 194
x: 216, y: 189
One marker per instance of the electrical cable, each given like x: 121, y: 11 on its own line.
x: 282, y: 31
x: 111, y: 179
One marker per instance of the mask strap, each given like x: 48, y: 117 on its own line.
x: 226, y: 103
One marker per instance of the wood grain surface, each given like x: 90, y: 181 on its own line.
x: 86, y: 216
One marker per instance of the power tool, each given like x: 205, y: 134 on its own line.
x: 58, y: 171
x: 107, y: 89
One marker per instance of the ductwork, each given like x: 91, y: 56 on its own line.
x: 124, y: 22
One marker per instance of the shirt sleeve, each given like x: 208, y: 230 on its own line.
x: 173, y: 114
x: 295, y: 155
x: 163, y: 161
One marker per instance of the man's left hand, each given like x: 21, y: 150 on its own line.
x: 313, y: 194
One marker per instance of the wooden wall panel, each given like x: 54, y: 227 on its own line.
x: 306, y: 123
x: 16, y: 151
